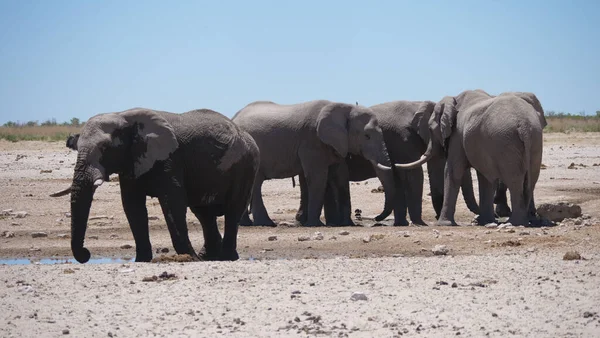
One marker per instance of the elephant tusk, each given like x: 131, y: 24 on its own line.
x: 61, y: 193
x: 380, y: 166
x: 415, y: 164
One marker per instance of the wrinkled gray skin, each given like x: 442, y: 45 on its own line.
x: 306, y: 139
x: 199, y: 159
x: 406, y: 138
x: 501, y: 137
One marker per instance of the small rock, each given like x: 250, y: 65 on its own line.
x: 6, y: 212
x: 491, y: 225
x: 358, y: 296
x: 366, y: 239
x: 454, y: 285
x: 303, y: 238
x: 21, y: 214
x: 45, y: 171
x: 332, y: 238
x: 164, y: 250
x: 93, y: 237
x: 318, y: 236
x: 68, y: 271
x: 571, y: 256
x: 65, y: 331
x: 63, y: 236
x: 272, y: 238
x: 285, y: 224
x: 126, y: 246
x: 9, y: 234
x: 34, y: 249
x: 556, y: 212
x: 152, y: 218
x: 344, y: 233
x: 113, y: 236
x: 38, y: 234
x: 588, y: 314
x: 440, y: 250
x: 405, y: 234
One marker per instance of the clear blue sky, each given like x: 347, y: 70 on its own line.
x: 62, y: 59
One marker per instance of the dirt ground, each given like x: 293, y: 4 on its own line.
x: 493, y: 282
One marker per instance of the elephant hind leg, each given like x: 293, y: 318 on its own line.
x: 486, y: 200
x: 212, y: 237
x: 259, y: 211
x: 501, y: 201
x: 520, y: 200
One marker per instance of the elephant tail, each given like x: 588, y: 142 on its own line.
x: 527, y: 186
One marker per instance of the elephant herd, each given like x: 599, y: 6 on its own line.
x: 216, y: 166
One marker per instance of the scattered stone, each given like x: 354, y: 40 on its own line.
x: 332, y: 238
x: 152, y: 218
x: 532, y: 249
x: 113, y: 236
x: 318, y: 236
x: 6, y: 212
x: 20, y: 156
x: 572, y: 255
x: 491, y: 225
x: 8, y: 234
x: 93, y: 218
x: 272, y: 238
x: 175, y: 258
x: 162, y: 277
x: 344, y: 233
x: 378, y: 190
x: 45, y: 171
x: 454, y: 285
x: 63, y: 236
x: 358, y: 296
x: 556, y: 212
x: 65, y: 331
x: 14, y: 224
x: 68, y: 271
x: 510, y: 242
x: 440, y: 250
x: 303, y: 238
x: 405, y: 234
x: 126, y: 246
x: 21, y: 214
x: 38, y: 234
x: 93, y: 237
x: 588, y: 314
x: 366, y: 239
x: 286, y: 224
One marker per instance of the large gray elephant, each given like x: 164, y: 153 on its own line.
x: 501, y: 137
x: 199, y: 159
x: 306, y: 139
x: 406, y: 136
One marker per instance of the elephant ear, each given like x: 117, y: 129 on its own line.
x: 443, y: 118
x: 72, y: 141
x: 332, y: 126
x: 154, y: 139
x: 420, y: 121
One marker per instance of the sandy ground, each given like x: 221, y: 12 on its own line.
x: 494, y: 282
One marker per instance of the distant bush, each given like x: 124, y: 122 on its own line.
x: 49, y: 130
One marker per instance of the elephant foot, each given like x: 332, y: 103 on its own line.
x: 145, y: 256
x: 301, y: 218
x: 445, y: 222
x: 212, y: 254
x: 317, y: 223
x: 230, y: 255
x: 479, y: 220
x: 264, y: 221
x: 419, y: 222
x: 502, y: 210
x: 400, y: 222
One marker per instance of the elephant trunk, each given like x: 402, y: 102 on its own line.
x: 424, y: 158
x: 85, y: 182
x: 386, y: 177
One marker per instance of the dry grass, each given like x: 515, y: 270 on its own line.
x: 572, y: 124
x: 37, y: 133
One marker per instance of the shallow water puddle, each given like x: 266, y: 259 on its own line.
x: 25, y: 261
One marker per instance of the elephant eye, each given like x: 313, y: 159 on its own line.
x: 367, y: 136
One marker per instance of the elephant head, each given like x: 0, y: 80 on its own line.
x: 434, y: 125
x: 128, y: 143
x: 354, y: 129
x: 72, y: 141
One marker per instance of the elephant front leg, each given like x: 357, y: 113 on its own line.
x: 259, y: 212
x: 302, y: 215
x: 134, y: 205
x: 453, y: 176
x: 316, y: 180
x: 174, y: 208
x: 467, y: 192
x: 501, y: 200
x: 414, y: 195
